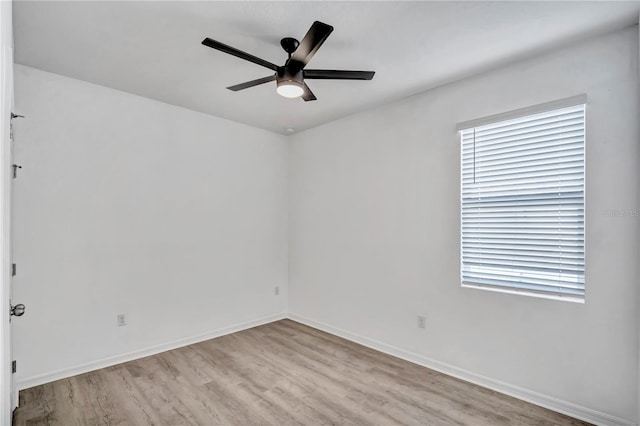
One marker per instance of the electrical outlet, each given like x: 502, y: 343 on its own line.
x: 422, y: 321
x: 122, y: 320
x: 276, y: 291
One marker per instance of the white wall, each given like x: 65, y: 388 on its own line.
x: 374, y: 235
x: 127, y: 205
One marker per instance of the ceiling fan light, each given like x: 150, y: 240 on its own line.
x: 290, y: 89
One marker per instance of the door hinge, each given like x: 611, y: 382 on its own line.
x: 15, y: 170
x: 11, y: 123
x: 14, y: 268
x: 14, y: 366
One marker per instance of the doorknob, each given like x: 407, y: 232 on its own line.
x: 18, y: 310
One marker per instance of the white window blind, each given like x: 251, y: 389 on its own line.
x: 523, y: 203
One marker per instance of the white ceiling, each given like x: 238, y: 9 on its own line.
x: 153, y: 48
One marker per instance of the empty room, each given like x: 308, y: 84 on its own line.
x: 320, y: 213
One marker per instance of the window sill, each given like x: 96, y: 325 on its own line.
x: 573, y: 299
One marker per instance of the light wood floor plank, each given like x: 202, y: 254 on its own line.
x: 283, y: 373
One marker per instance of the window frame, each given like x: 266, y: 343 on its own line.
x: 511, y: 115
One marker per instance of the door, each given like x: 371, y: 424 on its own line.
x: 7, y: 390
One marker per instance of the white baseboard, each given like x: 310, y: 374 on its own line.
x: 555, y: 404
x: 40, y: 379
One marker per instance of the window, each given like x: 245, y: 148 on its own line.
x: 522, y: 203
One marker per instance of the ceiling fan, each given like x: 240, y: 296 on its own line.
x: 290, y: 78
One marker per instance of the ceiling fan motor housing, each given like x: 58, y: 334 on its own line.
x: 288, y: 77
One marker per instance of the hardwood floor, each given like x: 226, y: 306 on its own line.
x: 277, y: 374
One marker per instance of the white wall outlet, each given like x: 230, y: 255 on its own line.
x: 122, y: 320
x: 276, y: 291
x: 422, y: 321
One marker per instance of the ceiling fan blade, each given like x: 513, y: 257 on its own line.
x: 308, y: 94
x: 252, y: 83
x: 238, y: 53
x: 338, y: 75
x: 310, y: 44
